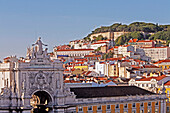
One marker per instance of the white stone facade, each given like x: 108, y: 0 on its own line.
x: 21, y: 80
x: 157, y: 53
x: 125, y: 50
x: 73, y: 52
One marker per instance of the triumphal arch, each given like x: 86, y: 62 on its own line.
x: 33, y: 82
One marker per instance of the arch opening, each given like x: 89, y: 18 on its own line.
x: 40, y: 102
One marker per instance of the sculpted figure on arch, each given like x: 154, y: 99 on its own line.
x: 39, y: 44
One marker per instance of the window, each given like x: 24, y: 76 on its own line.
x: 167, y: 109
x: 80, y: 108
x: 168, y: 93
x: 149, y: 103
x: 125, y: 106
x: 141, y: 111
x: 157, y: 103
x: 99, y: 107
x: 149, y: 111
x: 89, y: 108
x: 142, y: 85
x: 152, y: 85
x: 141, y: 105
x: 133, y: 111
x: 134, y: 105
x: 156, y: 110
x: 108, y: 106
x: 117, y: 105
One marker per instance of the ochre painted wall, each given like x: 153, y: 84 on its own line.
x: 85, y: 109
x: 81, y: 67
x: 137, y: 107
x: 129, y: 108
x: 103, y: 108
x: 112, y: 108
x: 94, y: 109
x: 76, y: 109
x: 159, y: 106
x: 153, y: 107
x: 145, y: 107
x: 121, y: 108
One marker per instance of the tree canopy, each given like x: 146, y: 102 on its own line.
x: 125, y: 38
x: 162, y: 35
x: 138, y: 30
x: 135, y: 26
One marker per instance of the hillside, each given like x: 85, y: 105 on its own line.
x: 136, y: 30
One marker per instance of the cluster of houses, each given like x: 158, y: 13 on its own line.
x: 98, y: 83
x: 139, y: 63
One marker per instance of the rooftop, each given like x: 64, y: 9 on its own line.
x: 109, y: 91
x: 149, y: 78
x: 77, y: 50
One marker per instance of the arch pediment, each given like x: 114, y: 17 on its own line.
x: 40, y: 81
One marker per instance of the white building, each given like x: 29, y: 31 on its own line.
x: 141, y: 52
x: 100, y: 67
x: 157, y: 53
x: 125, y: 50
x: 148, y: 83
x: 97, y: 44
x: 73, y: 52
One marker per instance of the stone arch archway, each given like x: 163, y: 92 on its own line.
x: 41, y: 102
x: 41, y: 98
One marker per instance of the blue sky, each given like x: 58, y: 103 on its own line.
x: 59, y: 21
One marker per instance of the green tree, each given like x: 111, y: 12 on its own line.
x: 100, y: 37
x: 126, y: 37
x: 98, y: 49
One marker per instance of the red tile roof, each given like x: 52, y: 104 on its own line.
x: 167, y: 83
x: 153, y: 47
x: 98, y: 43
x: 81, y: 59
x: 79, y: 63
x: 77, y: 50
x: 100, y: 78
x: 133, y: 40
x: 66, y: 70
x: 149, y: 78
x: 88, y: 72
x: 112, y: 59
x: 150, y: 66
x: 71, y: 81
x: 111, y: 49
x: 104, y: 40
x: 167, y: 60
x: 145, y: 40
x: 138, y: 67
x: 92, y: 56
x: 63, y: 47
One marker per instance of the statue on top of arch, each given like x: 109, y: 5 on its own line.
x: 39, y: 46
x: 37, y: 50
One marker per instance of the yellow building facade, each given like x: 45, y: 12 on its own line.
x: 163, y: 64
x: 124, y: 100
x: 84, y: 67
x: 131, y: 107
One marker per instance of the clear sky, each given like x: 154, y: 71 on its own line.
x: 60, y: 21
